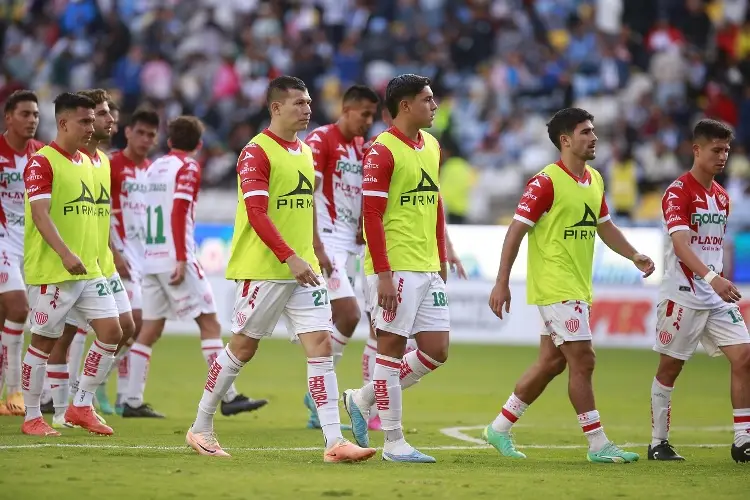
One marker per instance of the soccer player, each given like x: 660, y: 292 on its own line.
x: 174, y: 285
x: 271, y: 260
x: 337, y: 157
x: 57, y: 368
x: 129, y: 187
x: 61, y: 254
x: 697, y: 304
x: 405, y: 262
x: 17, y: 144
x: 562, y: 210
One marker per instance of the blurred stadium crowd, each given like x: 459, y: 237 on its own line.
x: 645, y: 68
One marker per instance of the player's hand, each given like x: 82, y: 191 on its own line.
x: 360, y: 238
x: 500, y: 297
x: 444, y: 271
x: 325, y: 263
x: 178, y: 275
x: 302, y: 271
x: 73, y: 264
x: 387, y: 294
x: 123, y: 269
x: 455, y: 264
x: 644, y: 263
x: 726, y: 290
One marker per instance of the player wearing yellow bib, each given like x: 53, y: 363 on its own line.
x: 272, y: 248
x: 405, y: 263
x: 64, y: 364
x: 562, y: 210
x: 61, y: 252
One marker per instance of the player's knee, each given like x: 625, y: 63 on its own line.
x: 669, y: 369
x: 583, y: 362
x: 128, y: 327
x: 553, y: 366
x: 18, y: 310
x: 346, y: 316
x: 741, y: 362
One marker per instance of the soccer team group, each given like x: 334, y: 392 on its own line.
x: 91, y: 242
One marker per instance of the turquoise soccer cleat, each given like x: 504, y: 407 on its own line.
x: 502, y: 442
x: 612, y: 454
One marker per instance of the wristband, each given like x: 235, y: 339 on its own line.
x: 709, y: 277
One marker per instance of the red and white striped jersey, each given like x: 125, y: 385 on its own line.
x: 173, y: 182
x: 12, y: 189
x: 338, y: 201
x: 688, y: 206
x: 129, y: 187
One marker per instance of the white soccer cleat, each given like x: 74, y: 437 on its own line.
x: 205, y: 443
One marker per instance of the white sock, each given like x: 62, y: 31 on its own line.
x: 593, y: 430
x: 511, y: 412
x: 211, y: 348
x: 75, y: 356
x: 99, y: 360
x: 32, y: 380
x: 220, y: 377
x: 324, y: 389
x: 741, y: 426
x: 414, y: 366
x: 140, y: 358
x: 46, y: 389
x: 123, y: 370
x: 2, y: 364
x: 661, y: 412
x: 60, y: 380
x: 368, y: 366
x: 338, y: 343
x: 12, y: 349
x: 387, y: 390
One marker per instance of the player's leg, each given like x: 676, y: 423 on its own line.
x: 97, y: 306
x: 308, y: 316
x: 549, y: 364
x: 678, y: 330
x: 726, y: 331
x: 4, y: 412
x: 368, y: 367
x: 16, y: 307
x: 569, y: 322
x: 75, y: 357
x: 133, y: 289
x: 59, y: 374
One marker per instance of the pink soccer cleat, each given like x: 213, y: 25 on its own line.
x: 345, y: 451
x: 374, y: 424
x: 205, y: 443
x: 38, y: 427
x: 84, y: 416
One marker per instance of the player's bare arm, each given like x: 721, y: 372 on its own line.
x: 121, y: 264
x: 722, y: 286
x: 40, y: 215
x: 500, y: 295
x: 616, y: 241
x: 454, y: 261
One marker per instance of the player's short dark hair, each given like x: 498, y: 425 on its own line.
x: 403, y: 87
x: 69, y: 101
x: 99, y: 96
x: 147, y: 116
x: 360, y: 93
x: 185, y: 132
x: 564, y: 122
x: 112, y: 105
x: 17, y: 97
x: 708, y: 129
x: 282, y: 85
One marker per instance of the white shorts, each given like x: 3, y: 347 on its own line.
x: 188, y: 300
x: 679, y: 329
x: 135, y: 292
x: 258, y: 305
x: 52, y: 304
x: 566, y: 321
x: 76, y: 319
x: 365, y: 289
x: 11, y: 272
x: 422, y: 304
x: 340, y: 284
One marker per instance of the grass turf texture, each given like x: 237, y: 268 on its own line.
x: 148, y: 458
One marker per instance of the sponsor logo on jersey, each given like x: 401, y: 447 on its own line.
x: 83, y: 205
x: 424, y: 194
x: 299, y: 197
x: 524, y: 207
x: 529, y: 194
x: 676, y: 184
x: 722, y: 198
x: 6, y: 177
x: 348, y: 167
x: 133, y: 187
x: 581, y: 230
x: 708, y: 219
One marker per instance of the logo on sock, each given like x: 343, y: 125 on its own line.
x: 381, y: 394
x: 91, y: 365
x: 405, y: 369
x: 26, y: 377
x: 317, y: 388
x: 213, y: 374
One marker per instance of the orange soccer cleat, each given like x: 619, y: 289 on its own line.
x: 84, y: 417
x: 38, y: 427
x: 345, y: 451
x: 205, y: 443
x: 14, y: 404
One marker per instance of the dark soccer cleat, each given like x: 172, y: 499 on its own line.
x: 663, y: 451
x: 143, y: 411
x: 47, y: 408
x: 741, y: 454
x: 241, y: 403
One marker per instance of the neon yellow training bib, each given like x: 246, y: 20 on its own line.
x: 102, y: 188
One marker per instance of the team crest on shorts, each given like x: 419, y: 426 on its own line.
x: 41, y: 317
x: 4, y: 277
x: 665, y: 337
x: 389, y: 316
x: 241, y: 318
x: 334, y: 283
x: 572, y: 325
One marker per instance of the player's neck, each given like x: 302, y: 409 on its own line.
x: 409, y: 130
x: 344, y: 131
x: 704, y: 179
x: 576, y: 165
x: 15, y: 141
x: 129, y: 153
x: 91, y: 148
x: 287, y: 135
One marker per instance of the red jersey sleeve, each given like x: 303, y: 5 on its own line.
x: 188, y: 181
x: 378, y: 169
x: 536, y: 200
x: 319, y: 146
x: 37, y: 178
x: 604, y: 212
x: 440, y: 232
x: 254, y: 171
x: 675, y: 207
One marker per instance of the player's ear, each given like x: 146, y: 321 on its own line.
x: 169, y: 143
x: 200, y: 145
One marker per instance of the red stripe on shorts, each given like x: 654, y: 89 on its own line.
x: 670, y: 308
x: 245, y: 288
